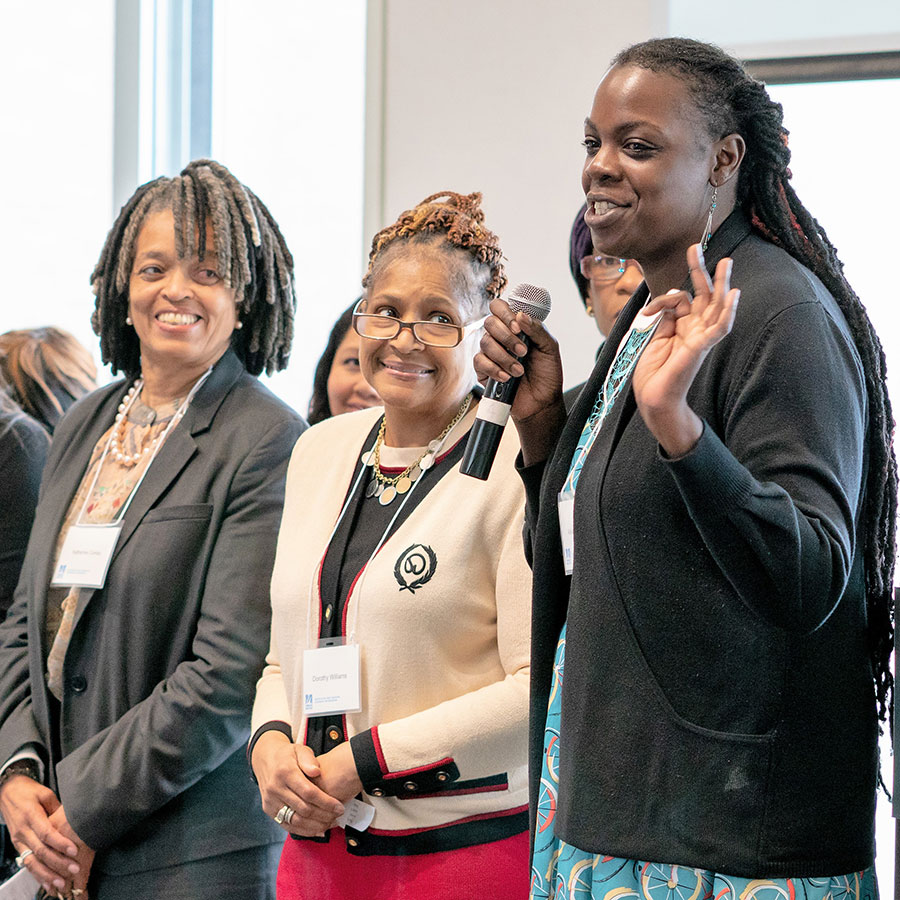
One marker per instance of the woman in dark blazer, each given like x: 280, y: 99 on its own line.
x: 125, y: 708
x: 712, y: 527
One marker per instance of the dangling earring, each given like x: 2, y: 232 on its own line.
x: 589, y: 310
x: 128, y: 320
x: 707, y: 232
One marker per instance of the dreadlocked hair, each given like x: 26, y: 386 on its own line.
x: 731, y: 101
x: 446, y: 220
x: 252, y: 257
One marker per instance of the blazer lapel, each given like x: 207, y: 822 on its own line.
x: 66, y: 479
x: 174, y: 455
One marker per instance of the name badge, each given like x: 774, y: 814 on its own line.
x: 357, y: 815
x: 85, y: 555
x: 331, y: 680
x: 565, y: 507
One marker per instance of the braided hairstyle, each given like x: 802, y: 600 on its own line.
x: 453, y: 224
x: 252, y: 255
x: 731, y: 101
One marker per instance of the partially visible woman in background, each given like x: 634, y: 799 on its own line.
x: 23, y: 451
x: 47, y: 370
x: 339, y: 385
x: 605, y: 284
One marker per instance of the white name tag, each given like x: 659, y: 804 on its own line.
x: 357, y: 815
x: 565, y: 506
x: 85, y: 555
x: 331, y: 682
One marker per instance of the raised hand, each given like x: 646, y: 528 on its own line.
x: 688, y: 330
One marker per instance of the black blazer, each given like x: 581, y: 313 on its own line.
x: 718, y: 706
x: 147, y: 754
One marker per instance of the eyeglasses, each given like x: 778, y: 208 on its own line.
x: 605, y: 268
x: 433, y: 334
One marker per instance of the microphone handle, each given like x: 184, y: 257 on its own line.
x: 484, y: 438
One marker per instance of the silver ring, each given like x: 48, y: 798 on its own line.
x: 284, y: 815
x: 20, y: 859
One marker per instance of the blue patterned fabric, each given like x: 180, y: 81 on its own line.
x: 563, y: 872
x: 626, y: 359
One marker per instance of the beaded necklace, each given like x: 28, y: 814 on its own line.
x: 387, y: 488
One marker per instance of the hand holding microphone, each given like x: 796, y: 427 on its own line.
x: 529, y: 389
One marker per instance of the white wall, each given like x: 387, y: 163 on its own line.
x: 492, y: 97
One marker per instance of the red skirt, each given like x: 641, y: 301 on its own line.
x: 310, y: 870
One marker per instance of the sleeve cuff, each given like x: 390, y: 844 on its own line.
x: 379, y: 781
x: 708, y: 475
x: 283, y: 727
x: 29, y: 751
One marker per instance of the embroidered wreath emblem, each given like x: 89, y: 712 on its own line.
x: 415, y: 566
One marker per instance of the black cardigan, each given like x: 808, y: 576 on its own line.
x: 718, y: 708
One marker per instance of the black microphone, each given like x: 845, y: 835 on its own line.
x: 494, y: 406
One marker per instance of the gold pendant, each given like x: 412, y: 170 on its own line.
x: 403, y: 484
x: 387, y: 495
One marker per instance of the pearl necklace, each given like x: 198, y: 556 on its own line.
x: 385, y: 488
x: 117, y: 445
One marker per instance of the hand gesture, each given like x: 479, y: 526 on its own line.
x: 84, y: 858
x: 52, y: 857
x: 286, y: 773
x: 688, y: 330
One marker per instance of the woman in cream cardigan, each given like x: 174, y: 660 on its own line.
x: 419, y: 571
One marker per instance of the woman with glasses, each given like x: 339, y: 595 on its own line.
x: 605, y: 283
x: 390, y: 722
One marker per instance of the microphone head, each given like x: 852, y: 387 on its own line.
x: 529, y: 299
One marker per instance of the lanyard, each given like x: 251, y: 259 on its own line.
x: 172, y: 423
x: 356, y: 591
x: 627, y: 355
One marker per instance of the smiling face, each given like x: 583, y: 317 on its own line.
x: 647, y: 174
x: 347, y: 387
x: 183, y: 313
x: 416, y: 381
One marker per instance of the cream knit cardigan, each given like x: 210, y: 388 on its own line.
x: 445, y: 667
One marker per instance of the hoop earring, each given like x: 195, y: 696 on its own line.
x: 707, y: 232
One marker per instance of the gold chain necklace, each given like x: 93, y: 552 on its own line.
x: 387, y: 488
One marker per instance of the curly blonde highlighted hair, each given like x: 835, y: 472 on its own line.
x: 450, y: 223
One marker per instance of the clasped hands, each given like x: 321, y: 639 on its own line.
x: 47, y: 845
x: 314, y: 787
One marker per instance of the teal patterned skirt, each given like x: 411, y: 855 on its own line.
x: 563, y: 872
